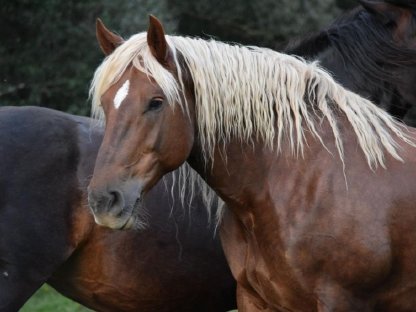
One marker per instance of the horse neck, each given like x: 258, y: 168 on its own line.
x: 235, y: 173
x: 310, y: 47
x: 248, y: 175
x: 240, y: 172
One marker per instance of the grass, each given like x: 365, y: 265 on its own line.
x: 46, y: 299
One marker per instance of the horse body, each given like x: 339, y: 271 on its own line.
x: 150, y: 270
x: 302, y: 240
x: 162, y: 268
x: 28, y: 203
x: 318, y: 181
x: 47, y: 233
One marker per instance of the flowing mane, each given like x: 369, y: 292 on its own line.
x: 251, y: 92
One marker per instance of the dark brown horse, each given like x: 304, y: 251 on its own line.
x: 47, y: 233
x: 319, y: 183
x: 371, y: 51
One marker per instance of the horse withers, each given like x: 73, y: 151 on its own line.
x: 47, y: 233
x: 318, y: 182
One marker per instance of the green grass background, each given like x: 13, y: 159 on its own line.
x: 46, y: 299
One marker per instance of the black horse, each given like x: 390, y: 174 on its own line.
x: 47, y: 233
x: 372, y: 51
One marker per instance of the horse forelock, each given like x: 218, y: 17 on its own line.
x: 134, y: 52
x: 254, y: 93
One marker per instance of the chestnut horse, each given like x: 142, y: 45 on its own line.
x: 47, y: 233
x: 319, y: 183
x: 371, y: 51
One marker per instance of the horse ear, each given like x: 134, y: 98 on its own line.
x: 384, y: 11
x: 157, y: 41
x: 107, y: 40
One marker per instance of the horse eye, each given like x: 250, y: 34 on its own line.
x: 155, y: 104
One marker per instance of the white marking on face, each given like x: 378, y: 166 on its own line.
x: 121, y: 94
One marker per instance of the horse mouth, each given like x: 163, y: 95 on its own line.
x: 135, y: 215
x: 129, y: 223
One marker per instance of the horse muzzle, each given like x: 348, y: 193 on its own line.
x: 115, y: 207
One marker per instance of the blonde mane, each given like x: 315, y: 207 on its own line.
x: 250, y: 92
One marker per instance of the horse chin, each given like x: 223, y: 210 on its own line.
x: 138, y: 216
x: 111, y: 222
x: 131, y: 221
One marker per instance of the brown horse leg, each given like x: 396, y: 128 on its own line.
x: 235, y: 249
x: 333, y: 298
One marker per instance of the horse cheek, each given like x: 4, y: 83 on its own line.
x: 177, y: 146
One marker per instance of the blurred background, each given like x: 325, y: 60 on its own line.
x: 48, y: 50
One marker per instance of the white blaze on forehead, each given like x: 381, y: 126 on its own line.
x: 121, y: 94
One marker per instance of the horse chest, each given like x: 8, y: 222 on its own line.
x: 295, y: 274
x: 273, y: 280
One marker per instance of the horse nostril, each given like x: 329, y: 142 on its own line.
x: 112, y: 199
x: 116, y: 203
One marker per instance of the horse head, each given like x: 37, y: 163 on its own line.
x: 398, y: 15
x: 148, y: 133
